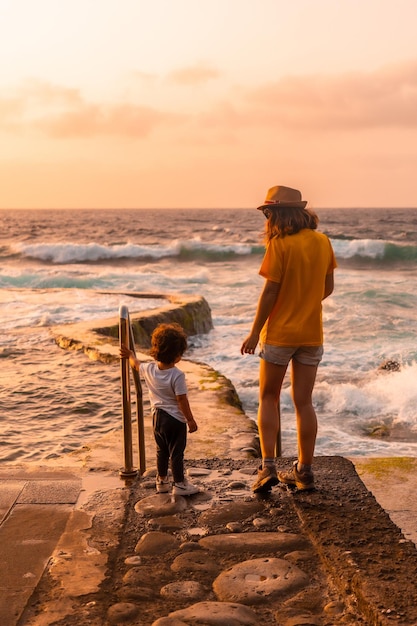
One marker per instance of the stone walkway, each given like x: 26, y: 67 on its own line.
x: 226, y: 557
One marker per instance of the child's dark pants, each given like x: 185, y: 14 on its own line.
x: 171, y: 438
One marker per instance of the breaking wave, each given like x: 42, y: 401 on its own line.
x: 70, y: 253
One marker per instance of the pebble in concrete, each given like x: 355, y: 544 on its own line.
x: 136, y: 594
x: 260, y: 522
x: 198, y: 472
x: 139, y: 584
x: 259, y: 580
x: 133, y: 561
x: 303, y: 620
x: 160, y: 504
x: 195, y: 562
x: 170, y: 621
x: 211, y: 614
x: 298, y: 556
x: 237, y: 484
x: 155, y: 542
x: 167, y: 522
x: 122, y: 612
x: 253, y: 542
x: 189, y: 589
x: 230, y: 512
x: 334, y: 608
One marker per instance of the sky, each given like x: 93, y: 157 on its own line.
x: 207, y: 103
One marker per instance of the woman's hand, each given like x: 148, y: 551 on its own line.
x: 250, y: 343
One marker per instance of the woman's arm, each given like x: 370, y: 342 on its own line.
x: 266, y: 303
x: 328, y: 285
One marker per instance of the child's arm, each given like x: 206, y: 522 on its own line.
x: 125, y: 353
x: 185, y: 408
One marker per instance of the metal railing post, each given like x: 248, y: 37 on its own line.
x: 124, y: 339
x: 139, y: 410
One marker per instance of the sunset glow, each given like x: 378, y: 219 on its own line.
x: 178, y: 103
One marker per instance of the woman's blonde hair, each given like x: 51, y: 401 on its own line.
x: 285, y: 221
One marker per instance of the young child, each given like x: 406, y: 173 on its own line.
x: 171, y: 411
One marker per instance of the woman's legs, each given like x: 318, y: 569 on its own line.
x: 270, y: 382
x: 303, y: 378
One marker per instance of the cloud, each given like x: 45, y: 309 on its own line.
x: 60, y: 112
x: 91, y: 120
x: 355, y: 101
x: 194, y: 75
x: 384, y: 98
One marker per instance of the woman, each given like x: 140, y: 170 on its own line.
x: 298, y: 267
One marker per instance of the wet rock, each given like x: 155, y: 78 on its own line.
x: 212, y: 614
x: 122, y: 612
x: 259, y: 580
x: 253, y: 542
x: 390, y: 365
x: 155, y: 542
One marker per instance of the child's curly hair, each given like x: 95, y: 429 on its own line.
x: 168, y: 342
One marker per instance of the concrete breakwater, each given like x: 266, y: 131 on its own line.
x: 191, y: 312
x: 224, y: 428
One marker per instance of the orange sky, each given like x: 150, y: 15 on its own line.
x: 207, y: 103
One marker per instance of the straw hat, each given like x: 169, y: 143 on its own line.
x: 283, y: 196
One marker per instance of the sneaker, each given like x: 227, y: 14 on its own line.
x: 304, y: 481
x: 267, y: 478
x: 184, y: 489
x: 162, y: 486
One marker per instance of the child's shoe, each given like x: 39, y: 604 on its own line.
x: 184, y: 489
x: 162, y: 485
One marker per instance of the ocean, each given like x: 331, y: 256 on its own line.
x: 54, y: 263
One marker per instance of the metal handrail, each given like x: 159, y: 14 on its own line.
x: 126, y: 338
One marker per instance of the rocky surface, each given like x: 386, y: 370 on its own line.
x: 228, y: 557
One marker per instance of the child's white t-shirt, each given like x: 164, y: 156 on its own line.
x: 163, y: 387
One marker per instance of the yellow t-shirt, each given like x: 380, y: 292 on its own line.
x: 300, y: 264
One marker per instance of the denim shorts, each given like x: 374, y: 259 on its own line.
x: 282, y: 355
